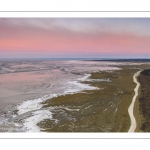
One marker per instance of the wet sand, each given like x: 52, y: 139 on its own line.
x: 131, y: 107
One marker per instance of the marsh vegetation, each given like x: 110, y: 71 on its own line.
x: 144, y: 99
x: 102, y: 110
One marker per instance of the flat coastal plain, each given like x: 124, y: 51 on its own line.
x: 102, y: 110
x: 101, y: 100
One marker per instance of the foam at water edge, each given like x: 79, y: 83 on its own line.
x: 35, y: 104
x: 84, y: 78
x: 30, y: 123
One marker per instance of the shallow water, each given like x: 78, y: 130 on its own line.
x: 24, y: 85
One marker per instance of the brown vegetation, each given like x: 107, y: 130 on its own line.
x: 103, y: 110
x: 144, y: 99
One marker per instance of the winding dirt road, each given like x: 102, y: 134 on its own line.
x: 131, y: 107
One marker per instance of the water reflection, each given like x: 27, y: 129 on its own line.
x: 34, y: 80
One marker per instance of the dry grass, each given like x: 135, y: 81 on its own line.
x: 103, y: 110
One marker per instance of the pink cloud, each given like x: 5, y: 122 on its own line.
x: 47, y: 41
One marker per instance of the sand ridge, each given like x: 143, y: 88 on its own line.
x: 131, y: 107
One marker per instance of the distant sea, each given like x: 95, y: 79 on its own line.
x: 65, y: 59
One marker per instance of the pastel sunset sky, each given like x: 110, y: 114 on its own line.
x: 75, y: 37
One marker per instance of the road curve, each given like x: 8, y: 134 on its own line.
x: 131, y: 107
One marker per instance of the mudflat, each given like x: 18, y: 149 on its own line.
x: 101, y: 108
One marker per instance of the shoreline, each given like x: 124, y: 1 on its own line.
x: 131, y: 107
x: 78, y: 105
x: 95, y: 118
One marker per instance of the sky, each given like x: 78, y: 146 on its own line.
x: 74, y: 37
